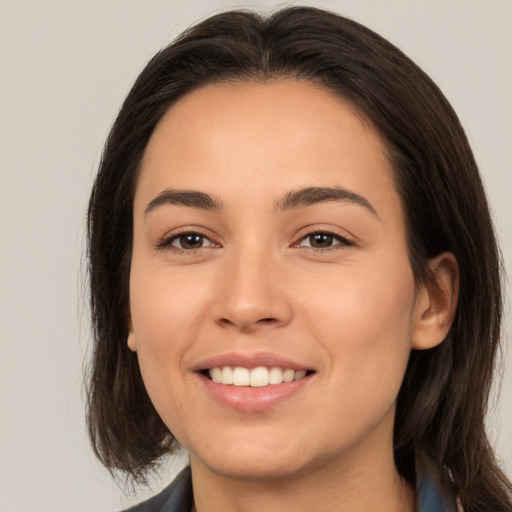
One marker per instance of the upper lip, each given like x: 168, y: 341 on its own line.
x: 250, y: 360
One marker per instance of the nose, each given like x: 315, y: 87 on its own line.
x: 252, y: 294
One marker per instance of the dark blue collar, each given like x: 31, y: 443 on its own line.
x: 177, y: 497
x: 430, y: 498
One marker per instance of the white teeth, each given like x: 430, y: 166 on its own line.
x: 288, y: 375
x: 275, y: 376
x: 241, y: 376
x: 299, y: 374
x: 216, y: 375
x: 227, y: 375
x: 257, y: 377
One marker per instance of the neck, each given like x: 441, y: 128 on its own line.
x: 330, y: 486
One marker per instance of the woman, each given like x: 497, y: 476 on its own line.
x: 294, y: 275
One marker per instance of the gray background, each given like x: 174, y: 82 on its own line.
x: 65, y: 67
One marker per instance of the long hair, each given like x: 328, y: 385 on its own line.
x: 443, y: 399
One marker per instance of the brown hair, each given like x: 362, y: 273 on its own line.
x: 443, y: 399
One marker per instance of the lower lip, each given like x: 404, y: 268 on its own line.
x: 258, y: 399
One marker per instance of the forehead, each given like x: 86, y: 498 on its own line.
x: 264, y: 137
x: 294, y: 110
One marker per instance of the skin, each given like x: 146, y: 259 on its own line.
x: 349, y: 310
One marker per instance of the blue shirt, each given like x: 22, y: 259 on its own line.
x: 178, y: 497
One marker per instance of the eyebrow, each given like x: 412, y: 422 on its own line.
x: 190, y: 198
x: 295, y: 199
x: 314, y: 195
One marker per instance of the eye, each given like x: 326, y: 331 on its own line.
x: 187, y: 241
x: 322, y: 240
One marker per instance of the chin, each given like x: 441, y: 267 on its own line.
x: 270, y: 468
x: 260, y: 461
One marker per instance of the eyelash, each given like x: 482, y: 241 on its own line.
x: 343, y: 242
x: 166, y: 242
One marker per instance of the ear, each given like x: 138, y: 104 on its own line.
x: 436, y: 303
x: 131, y: 341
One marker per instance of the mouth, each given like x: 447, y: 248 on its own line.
x: 253, y: 382
x: 258, y: 377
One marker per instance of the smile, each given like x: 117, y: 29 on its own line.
x: 260, y: 376
x: 253, y: 382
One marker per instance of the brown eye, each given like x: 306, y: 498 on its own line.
x: 320, y: 240
x: 323, y: 240
x: 191, y: 241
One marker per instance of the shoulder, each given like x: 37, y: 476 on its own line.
x: 177, y: 497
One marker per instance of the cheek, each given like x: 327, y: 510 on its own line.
x: 161, y: 304
x: 163, y: 326
x: 364, y: 323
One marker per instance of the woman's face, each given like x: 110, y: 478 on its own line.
x: 269, y: 242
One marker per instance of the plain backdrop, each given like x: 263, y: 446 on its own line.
x: 65, y: 67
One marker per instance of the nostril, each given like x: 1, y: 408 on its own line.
x: 247, y: 324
